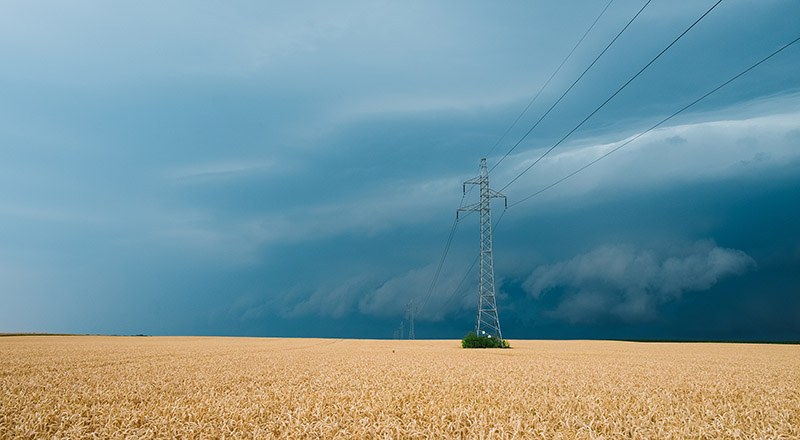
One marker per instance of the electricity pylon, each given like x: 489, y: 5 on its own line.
x: 487, y: 321
x: 410, y: 310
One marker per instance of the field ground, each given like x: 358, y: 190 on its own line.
x: 192, y: 387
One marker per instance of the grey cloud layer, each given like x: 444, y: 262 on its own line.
x: 242, y: 167
x: 727, y: 144
x: 625, y: 283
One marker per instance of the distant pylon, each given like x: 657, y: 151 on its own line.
x: 487, y: 321
x: 410, y: 309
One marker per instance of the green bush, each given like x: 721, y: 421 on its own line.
x: 474, y: 341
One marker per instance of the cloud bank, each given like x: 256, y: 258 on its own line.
x: 623, y: 283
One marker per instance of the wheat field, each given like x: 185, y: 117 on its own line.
x: 192, y: 387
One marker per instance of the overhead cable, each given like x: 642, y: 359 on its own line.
x: 535, y: 97
x: 570, y: 87
x: 450, y: 298
x: 656, y: 125
x: 441, y: 263
x: 612, y: 96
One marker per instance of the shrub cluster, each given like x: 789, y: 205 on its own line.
x: 474, y: 341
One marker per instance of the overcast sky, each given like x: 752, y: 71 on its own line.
x: 293, y: 168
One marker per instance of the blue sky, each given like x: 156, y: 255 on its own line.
x: 274, y: 169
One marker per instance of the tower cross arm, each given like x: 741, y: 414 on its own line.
x: 473, y: 181
x: 473, y: 207
x: 495, y: 194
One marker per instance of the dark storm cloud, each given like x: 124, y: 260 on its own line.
x: 260, y: 168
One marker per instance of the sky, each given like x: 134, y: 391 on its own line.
x: 293, y: 169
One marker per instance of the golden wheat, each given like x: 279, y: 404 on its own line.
x: 154, y: 387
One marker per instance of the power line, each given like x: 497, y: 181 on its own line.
x: 612, y: 96
x: 435, y: 279
x: 530, y: 103
x: 656, y: 125
x: 450, y: 298
x: 583, y: 37
x: 460, y: 283
x: 441, y: 263
x: 735, y: 77
x: 570, y: 87
x: 472, y: 266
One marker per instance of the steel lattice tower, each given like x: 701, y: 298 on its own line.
x: 487, y: 320
x: 410, y: 309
